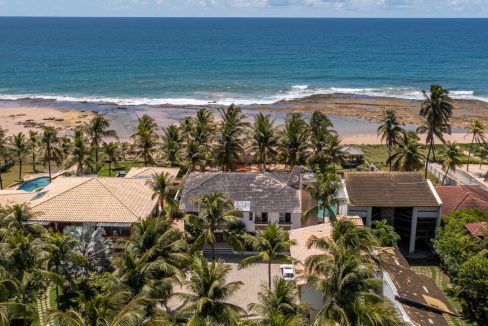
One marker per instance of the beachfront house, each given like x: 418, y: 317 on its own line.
x: 262, y: 197
x: 410, y: 203
x: 114, y: 204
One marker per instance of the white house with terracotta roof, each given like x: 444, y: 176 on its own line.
x: 112, y: 203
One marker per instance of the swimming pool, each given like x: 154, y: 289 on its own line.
x: 34, y: 184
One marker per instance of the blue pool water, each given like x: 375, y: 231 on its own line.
x: 34, y: 184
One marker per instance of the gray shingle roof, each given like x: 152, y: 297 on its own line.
x: 267, y: 192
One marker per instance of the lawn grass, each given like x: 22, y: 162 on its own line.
x: 121, y: 166
x: 12, y: 175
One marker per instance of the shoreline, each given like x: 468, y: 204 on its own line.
x: 355, y: 117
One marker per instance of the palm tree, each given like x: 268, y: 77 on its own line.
x: 270, y: 245
x: 80, y: 154
x: 282, y: 298
x: 294, y: 139
x: 436, y: 110
x: 324, y: 191
x: 320, y: 131
x: 112, y: 152
x: 19, y: 146
x: 116, y: 309
x: 171, y: 143
x: 390, y: 130
x: 230, y: 140
x: 146, y: 138
x: 207, y: 293
x: 407, y: 156
x: 194, y: 154
x: 477, y: 129
x: 33, y: 147
x: 452, y: 158
x: 17, y: 217
x: 203, y: 132
x: 216, y: 212
x: 60, y: 247
x: 3, y: 152
x: 335, y: 150
x: 483, y: 153
x: 346, y: 279
x: 264, y: 140
x: 164, y: 189
x: 97, y: 129
x: 51, y: 152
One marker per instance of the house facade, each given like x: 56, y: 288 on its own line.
x: 410, y: 203
x: 262, y: 197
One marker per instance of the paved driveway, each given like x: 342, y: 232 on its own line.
x: 252, y: 277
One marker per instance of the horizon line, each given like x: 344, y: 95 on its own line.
x: 242, y: 17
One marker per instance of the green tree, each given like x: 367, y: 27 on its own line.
x: 294, y: 140
x: 80, y: 154
x: 3, y: 153
x: 408, y: 155
x: 270, y: 244
x: 324, y: 192
x: 112, y: 151
x: 19, y: 147
x: 390, y: 130
x: 264, y: 139
x: 282, y: 298
x: 203, y: 132
x: 34, y: 143
x: 207, y: 294
x: 451, y: 155
x: 215, y: 212
x: 229, y: 143
x: 50, y: 149
x: 385, y: 233
x: 97, y: 129
x: 194, y: 154
x: 163, y: 187
x: 146, y: 138
x: 335, y: 150
x: 477, y: 129
x: 172, y: 143
x: 473, y: 285
x: 320, y: 131
x: 436, y: 110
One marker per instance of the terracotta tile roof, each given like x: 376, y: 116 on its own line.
x: 461, y: 197
x: 413, y: 289
x: 14, y: 197
x: 389, y: 189
x: 477, y: 229
x: 94, y: 199
x: 148, y: 172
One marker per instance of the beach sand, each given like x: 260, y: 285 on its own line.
x: 355, y: 118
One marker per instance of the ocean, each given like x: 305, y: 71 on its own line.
x: 152, y: 61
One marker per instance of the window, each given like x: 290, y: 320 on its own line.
x: 262, y: 217
x: 285, y: 217
x: 250, y: 216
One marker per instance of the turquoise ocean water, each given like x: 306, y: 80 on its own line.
x: 145, y: 61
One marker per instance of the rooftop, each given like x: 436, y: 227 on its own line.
x: 461, y: 197
x: 14, y: 197
x: 94, y: 199
x: 390, y: 189
x: 149, y: 172
x: 477, y: 229
x: 265, y: 192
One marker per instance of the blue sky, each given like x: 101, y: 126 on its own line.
x: 247, y: 8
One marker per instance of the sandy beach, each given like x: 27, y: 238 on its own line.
x: 355, y: 117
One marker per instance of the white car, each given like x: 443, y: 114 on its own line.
x: 287, y: 272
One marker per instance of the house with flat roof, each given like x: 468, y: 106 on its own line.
x: 462, y: 197
x: 263, y: 197
x: 410, y: 203
x: 112, y: 203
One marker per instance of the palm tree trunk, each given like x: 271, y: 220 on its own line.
x: 33, y: 162
x: 427, y: 162
x: 389, y: 155
x: 269, y: 274
x: 96, y: 156
x: 1, y: 181
x: 264, y: 162
x: 469, y: 155
x: 109, y: 169
x: 49, y: 162
x: 445, y: 176
x: 20, y: 169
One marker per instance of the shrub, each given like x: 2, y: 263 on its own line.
x: 385, y: 233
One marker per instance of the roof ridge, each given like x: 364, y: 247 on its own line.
x: 67, y: 190
x: 201, y: 184
x: 116, y: 198
x: 466, y: 195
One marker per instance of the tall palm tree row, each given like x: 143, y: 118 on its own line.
x: 264, y: 139
x: 407, y: 155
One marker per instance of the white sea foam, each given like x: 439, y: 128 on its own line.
x: 293, y: 92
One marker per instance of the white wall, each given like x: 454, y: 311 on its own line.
x: 296, y: 220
